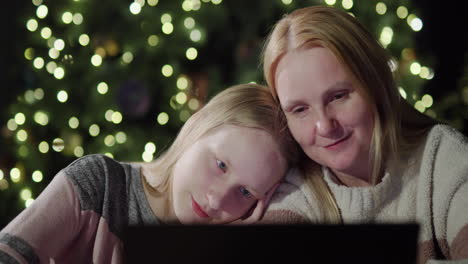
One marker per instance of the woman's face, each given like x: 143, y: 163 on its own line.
x: 223, y: 174
x: 326, y: 114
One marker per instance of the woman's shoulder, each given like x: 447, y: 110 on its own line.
x: 443, y: 130
x: 294, y: 177
x: 295, y: 196
x: 443, y: 138
x: 290, y: 186
x: 445, y: 154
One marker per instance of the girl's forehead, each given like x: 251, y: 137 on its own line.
x: 226, y: 131
x: 239, y: 136
x: 244, y: 143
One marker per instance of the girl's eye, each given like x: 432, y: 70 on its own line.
x: 245, y: 192
x: 221, y: 165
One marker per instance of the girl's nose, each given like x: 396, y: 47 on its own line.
x: 213, y: 201
x: 217, y: 196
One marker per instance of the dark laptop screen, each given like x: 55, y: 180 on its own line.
x: 392, y: 243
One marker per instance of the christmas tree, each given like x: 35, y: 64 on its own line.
x: 121, y: 77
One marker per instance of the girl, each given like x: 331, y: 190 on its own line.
x: 224, y: 164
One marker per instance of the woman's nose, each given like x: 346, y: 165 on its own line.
x: 326, y: 126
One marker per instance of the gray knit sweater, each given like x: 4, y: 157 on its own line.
x: 80, y: 216
x: 429, y: 187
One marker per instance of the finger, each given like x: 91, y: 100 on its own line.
x: 263, y: 203
x: 271, y: 192
x: 261, y: 206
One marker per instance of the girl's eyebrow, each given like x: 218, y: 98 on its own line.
x: 215, y: 150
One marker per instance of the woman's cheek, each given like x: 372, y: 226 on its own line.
x: 297, y: 131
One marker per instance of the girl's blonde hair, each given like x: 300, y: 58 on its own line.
x: 245, y: 105
x: 395, y: 122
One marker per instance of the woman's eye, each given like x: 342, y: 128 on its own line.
x: 298, y: 110
x: 221, y: 165
x: 245, y: 192
x: 339, y: 96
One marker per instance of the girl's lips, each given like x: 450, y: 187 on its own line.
x: 337, y: 143
x: 198, y: 210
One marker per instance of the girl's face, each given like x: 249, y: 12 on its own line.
x: 326, y: 114
x: 223, y: 174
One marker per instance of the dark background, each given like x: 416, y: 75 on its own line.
x: 443, y: 39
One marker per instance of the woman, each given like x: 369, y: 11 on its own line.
x: 224, y: 164
x: 370, y: 156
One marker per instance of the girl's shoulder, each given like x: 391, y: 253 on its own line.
x: 94, y: 168
x: 97, y: 178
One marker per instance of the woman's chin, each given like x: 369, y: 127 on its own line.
x: 341, y: 166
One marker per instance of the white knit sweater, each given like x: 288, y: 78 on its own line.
x: 430, y: 187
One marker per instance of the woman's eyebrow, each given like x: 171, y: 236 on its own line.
x: 338, y: 86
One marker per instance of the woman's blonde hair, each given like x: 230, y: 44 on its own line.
x: 368, y: 63
x: 245, y: 105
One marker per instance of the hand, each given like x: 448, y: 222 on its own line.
x: 256, y: 212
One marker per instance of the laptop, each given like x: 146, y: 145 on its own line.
x: 307, y: 243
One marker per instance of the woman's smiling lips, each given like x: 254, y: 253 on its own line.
x: 337, y: 144
x: 198, y: 210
